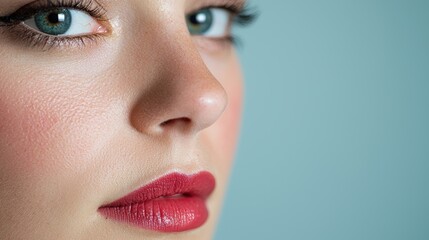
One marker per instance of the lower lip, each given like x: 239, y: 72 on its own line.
x: 170, y: 214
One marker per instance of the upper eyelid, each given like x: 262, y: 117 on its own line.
x: 234, y: 10
x: 235, y: 5
x: 93, y: 7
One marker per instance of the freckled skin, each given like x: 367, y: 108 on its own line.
x: 81, y: 128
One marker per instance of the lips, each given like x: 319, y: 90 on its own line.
x: 173, y: 203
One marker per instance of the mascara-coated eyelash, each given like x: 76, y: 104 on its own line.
x: 241, y: 16
x: 33, y: 23
x: 92, y: 7
x: 245, y: 17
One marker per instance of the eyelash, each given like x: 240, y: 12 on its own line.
x: 47, y: 42
x: 244, y: 18
x: 241, y: 16
x: 92, y: 7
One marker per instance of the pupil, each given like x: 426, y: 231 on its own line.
x: 201, y: 17
x: 198, y: 18
x: 55, y: 18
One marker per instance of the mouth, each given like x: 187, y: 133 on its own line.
x: 173, y: 203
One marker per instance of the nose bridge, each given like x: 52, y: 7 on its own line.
x: 184, y: 96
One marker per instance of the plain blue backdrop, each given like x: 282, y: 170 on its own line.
x: 335, y: 138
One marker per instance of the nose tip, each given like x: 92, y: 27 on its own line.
x: 180, y: 105
x: 207, y: 108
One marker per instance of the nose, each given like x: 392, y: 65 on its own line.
x: 183, y: 96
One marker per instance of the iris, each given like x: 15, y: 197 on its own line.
x: 53, y: 22
x: 199, y: 22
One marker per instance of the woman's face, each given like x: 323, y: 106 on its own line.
x: 127, y: 100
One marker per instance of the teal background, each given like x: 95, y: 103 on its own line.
x: 335, y: 138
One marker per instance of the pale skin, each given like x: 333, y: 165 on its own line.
x: 80, y: 127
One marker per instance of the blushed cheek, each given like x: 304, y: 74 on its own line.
x: 25, y: 128
x: 25, y: 122
x: 37, y: 122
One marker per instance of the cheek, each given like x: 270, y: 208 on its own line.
x: 25, y: 124
x: 38, y: 120
x: 48, y: 129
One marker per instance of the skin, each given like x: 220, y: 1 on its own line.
x: 82, y: 127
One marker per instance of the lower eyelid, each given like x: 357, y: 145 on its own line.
x: 213, y: 45
x: 21, y: 35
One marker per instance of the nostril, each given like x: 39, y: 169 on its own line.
x: 176, y: 121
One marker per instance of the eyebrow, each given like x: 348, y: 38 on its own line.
x: 239, y: 4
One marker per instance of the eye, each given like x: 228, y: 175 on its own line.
x: 210, y: 22
x: 64, y: 22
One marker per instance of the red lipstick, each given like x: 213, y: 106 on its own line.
x: 173, y: 203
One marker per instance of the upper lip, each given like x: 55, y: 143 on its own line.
x: 201, y: 185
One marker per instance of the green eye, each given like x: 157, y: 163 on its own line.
x: 200, y: 22
x: 53, y: 22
